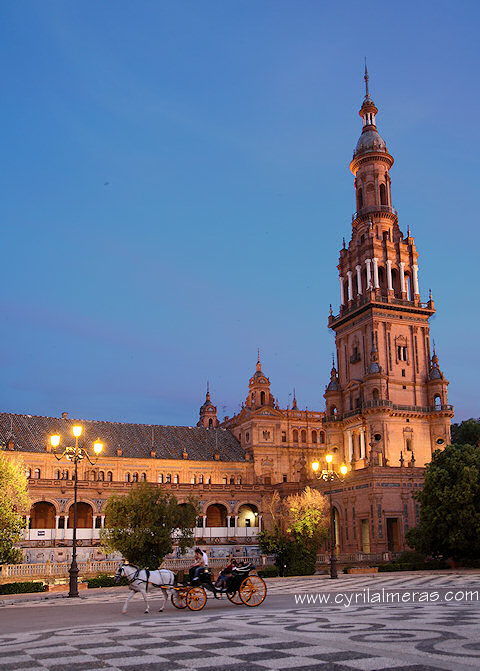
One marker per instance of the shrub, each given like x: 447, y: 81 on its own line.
x: 305, y: 566
x: 104, y: 580
x: 22, y: 587
x: 411, y: 557
x: 268, y: 572
x: 432, y: 565
x: 345, y: 568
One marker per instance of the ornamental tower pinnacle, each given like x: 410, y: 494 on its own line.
x: 382, y: 330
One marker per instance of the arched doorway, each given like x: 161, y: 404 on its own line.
x: 42, y: 515
x: 248, y: 515
x: 84, y: 516
x: 216, y: 515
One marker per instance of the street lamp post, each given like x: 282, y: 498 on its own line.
x: 329, y: 475
x: 75, y: 455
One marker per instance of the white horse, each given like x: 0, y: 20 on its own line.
x: 140, y: 579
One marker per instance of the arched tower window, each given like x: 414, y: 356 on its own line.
x: 359, y: 199
x: 437, y: 401
x: 322, y: 437
x: 210, y: 423
x: 375, y: 394
x: 383, y: 194
x: 262, y: 398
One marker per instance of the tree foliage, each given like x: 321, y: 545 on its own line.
x: 450, y: 505
x: 141, y: 524
x: 14, y: 503
x: 300, y: 526
x: 466, y: 433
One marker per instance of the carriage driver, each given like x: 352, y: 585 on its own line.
x: 197, y: 566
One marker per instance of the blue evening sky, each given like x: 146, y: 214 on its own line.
x: 175, y: 189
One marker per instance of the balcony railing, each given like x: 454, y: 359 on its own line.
x: 385, y: 403
x: 375, y: 297
x: 373, y: 208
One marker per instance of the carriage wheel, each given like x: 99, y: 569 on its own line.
x: 178, y: 598
x: 234, y: 597
x: 196, y: 598
x: 253, y: 591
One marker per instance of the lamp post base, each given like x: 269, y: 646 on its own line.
x: 333, y: 567
x: 73, y: 570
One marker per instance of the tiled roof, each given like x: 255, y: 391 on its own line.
x: 32, y: 433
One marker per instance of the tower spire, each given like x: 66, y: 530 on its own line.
x: 259, y: 365
x: 365, y: 76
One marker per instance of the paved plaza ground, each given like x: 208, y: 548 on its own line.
x: 312, y: 623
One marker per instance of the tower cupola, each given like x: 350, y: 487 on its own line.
x: 208, y: 412
x: 259, y: 389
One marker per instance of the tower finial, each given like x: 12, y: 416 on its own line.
x: 208, y: 390
x: 259, y: 365
x: 367, y: 95
x: 294, y: 406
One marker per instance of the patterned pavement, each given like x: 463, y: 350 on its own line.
x: 275, y: 636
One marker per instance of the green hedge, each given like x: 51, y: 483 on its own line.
x: 104, y: 580
x: 22, y: 587
x: 268, y: 572
x: 432, y: 565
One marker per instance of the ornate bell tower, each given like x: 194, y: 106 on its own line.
x: 389, y: 399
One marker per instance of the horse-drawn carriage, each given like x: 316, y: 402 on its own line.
x: 243, y: 586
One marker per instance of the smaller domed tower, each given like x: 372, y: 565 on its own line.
x: 259, y: 389
x: 208, y: 413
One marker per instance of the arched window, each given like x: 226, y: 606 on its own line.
x: 92, y: 476
x: 193, y: 480
x: 333, y: 410
x: 239, y: 480
x: 383, y: 194
x: 322, y: 437
x: 135, y: 477
x: 57, y: 475
x: 160, y: 478
x: 176, y: 479
x: 295, y: 436
x: 200, y: 479
x: 375, y: 394
x: 101, y: 475
x: 28, y: 473
x: 359, y: 199
x: 225, y: 480
x: 314, y: 436
x: 210, y: 423
x: 262, y: 398
x: 232, y: 480
x: 127, y: 477
x: 168, y: 478
x: 209, y: 480
x: 143, y: 477
x: 437, y: 401
x: 303, y: 436
x: 382, y: 281
x: 408, y: 444
x: 247, y: 437
x: 109, y: 476
x: 36, y: 475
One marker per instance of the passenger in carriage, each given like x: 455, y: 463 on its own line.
x: 226, y: 573
x: 197, y: 567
